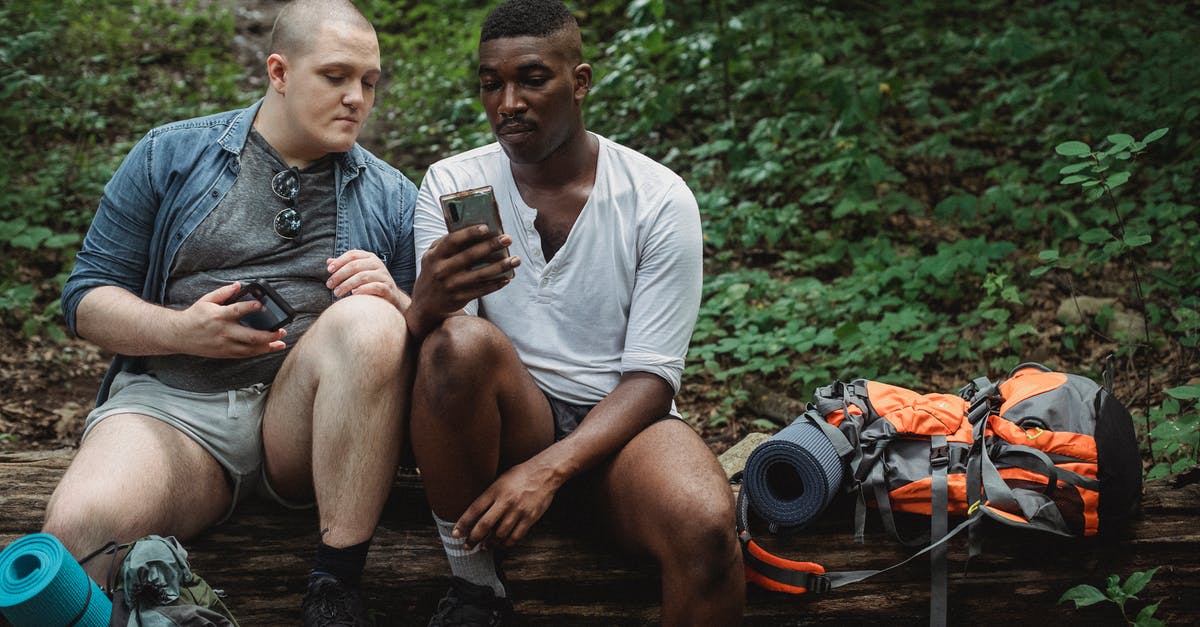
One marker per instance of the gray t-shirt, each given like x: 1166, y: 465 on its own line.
x: 236, y: 242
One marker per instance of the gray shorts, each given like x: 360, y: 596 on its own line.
x: 227, y: 424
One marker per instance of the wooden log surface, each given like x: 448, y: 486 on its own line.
x: 261, y: 555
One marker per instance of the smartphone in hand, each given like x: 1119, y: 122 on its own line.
x: 472, y: 207
x: 275, y: 313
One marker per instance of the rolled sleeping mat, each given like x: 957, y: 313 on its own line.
x: 41, y: 585
x: 792, y: 476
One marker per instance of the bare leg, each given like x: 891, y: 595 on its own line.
x: 476, y: 411
x: 667, y: 496
x: 133, y: 476
x: 334, y: 424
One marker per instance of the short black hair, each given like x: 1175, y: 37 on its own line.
x: 526, y: 18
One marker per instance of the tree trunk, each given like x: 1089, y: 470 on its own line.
x: 261, y: 556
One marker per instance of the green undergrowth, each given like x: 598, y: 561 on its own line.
x: 880, y: 187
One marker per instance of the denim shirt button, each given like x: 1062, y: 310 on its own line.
x: 214, y: 193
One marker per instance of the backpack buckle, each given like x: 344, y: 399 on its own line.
x: 818, y: 584
x: 939, y: 456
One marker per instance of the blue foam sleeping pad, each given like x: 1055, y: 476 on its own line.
x: 41, y: 585
x: 792, y: 476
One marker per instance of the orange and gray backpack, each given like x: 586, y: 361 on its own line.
x: 1041, y: 450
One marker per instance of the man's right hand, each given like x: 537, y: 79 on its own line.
x: 447, y: 283
x: 210, y: 328
x: 121, y: 322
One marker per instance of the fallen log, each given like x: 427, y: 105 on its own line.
x: 261, y: 555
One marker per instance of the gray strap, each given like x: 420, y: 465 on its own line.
x: 1017, y: 454
x: 839, y: 579
x: 939, y: 464
x: 883, y: 502
x: 841, y: 444
x: 860, y: 518
x: 997, y: 493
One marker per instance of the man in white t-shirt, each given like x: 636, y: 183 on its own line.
x: 560, y: 385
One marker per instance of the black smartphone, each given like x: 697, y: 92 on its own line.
x: 471, y: 207
x: 275, y: 313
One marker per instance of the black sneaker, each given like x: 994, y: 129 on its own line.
x: 330, y: 603
x: 470, y: 604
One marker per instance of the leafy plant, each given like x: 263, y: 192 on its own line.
x: 1176, y: 432
x: 872, y: 178
x: 1098, y: 173
x: 1095, y: 174
x: 1119, y: 594
x: 81, y: 81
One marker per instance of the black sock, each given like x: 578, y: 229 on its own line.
x: 345, y: 563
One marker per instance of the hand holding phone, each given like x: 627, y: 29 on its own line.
x: 472, y: 207
x: 275, y: 313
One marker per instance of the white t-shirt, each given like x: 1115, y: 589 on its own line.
x: 622, y: 293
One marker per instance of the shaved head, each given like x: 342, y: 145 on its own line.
x: 299, y: 20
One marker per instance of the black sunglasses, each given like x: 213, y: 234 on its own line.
x: 286, y: 185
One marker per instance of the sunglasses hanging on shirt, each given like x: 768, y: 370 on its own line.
x: 286, y: 185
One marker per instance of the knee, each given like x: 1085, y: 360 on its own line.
x: 366, y: 330
x: 713, y: 535
x: 703, y: 540
x: 458, y: 351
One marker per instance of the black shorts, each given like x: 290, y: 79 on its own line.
x: 567, y: 416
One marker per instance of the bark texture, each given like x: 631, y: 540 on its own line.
x: 261, y: 556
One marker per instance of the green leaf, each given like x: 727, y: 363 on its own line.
x: 32, y: 238
x: 764, y: 424
x: 1112, y: 588
x: 1118, y: 179
x: 1075, y: 167
x: 1073, y: 149
x: 1120, y: 140
x: 61, y: 240
x: 1184, y: 392
x: 1133, y: 241
x: 1154, y: 135
x: 1083, y: 596
x: 1050, y: 254
x: 1158, y: 471
x: 1095, y: 236
x: 1039, y: 271
x: 11, y: 229
x: 1137, y: 581
x: 1145, y: 618
x: 1078, y: 178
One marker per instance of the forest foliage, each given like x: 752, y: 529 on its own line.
x: 920, y: 193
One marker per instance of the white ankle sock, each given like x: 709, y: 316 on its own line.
x: 476, y: 565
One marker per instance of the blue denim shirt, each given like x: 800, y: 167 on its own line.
x: 179, y: 172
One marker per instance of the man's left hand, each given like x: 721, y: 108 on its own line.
x: 504, y: 513
x: 361, y: 272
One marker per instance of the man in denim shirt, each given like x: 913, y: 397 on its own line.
x: 200, y: 411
